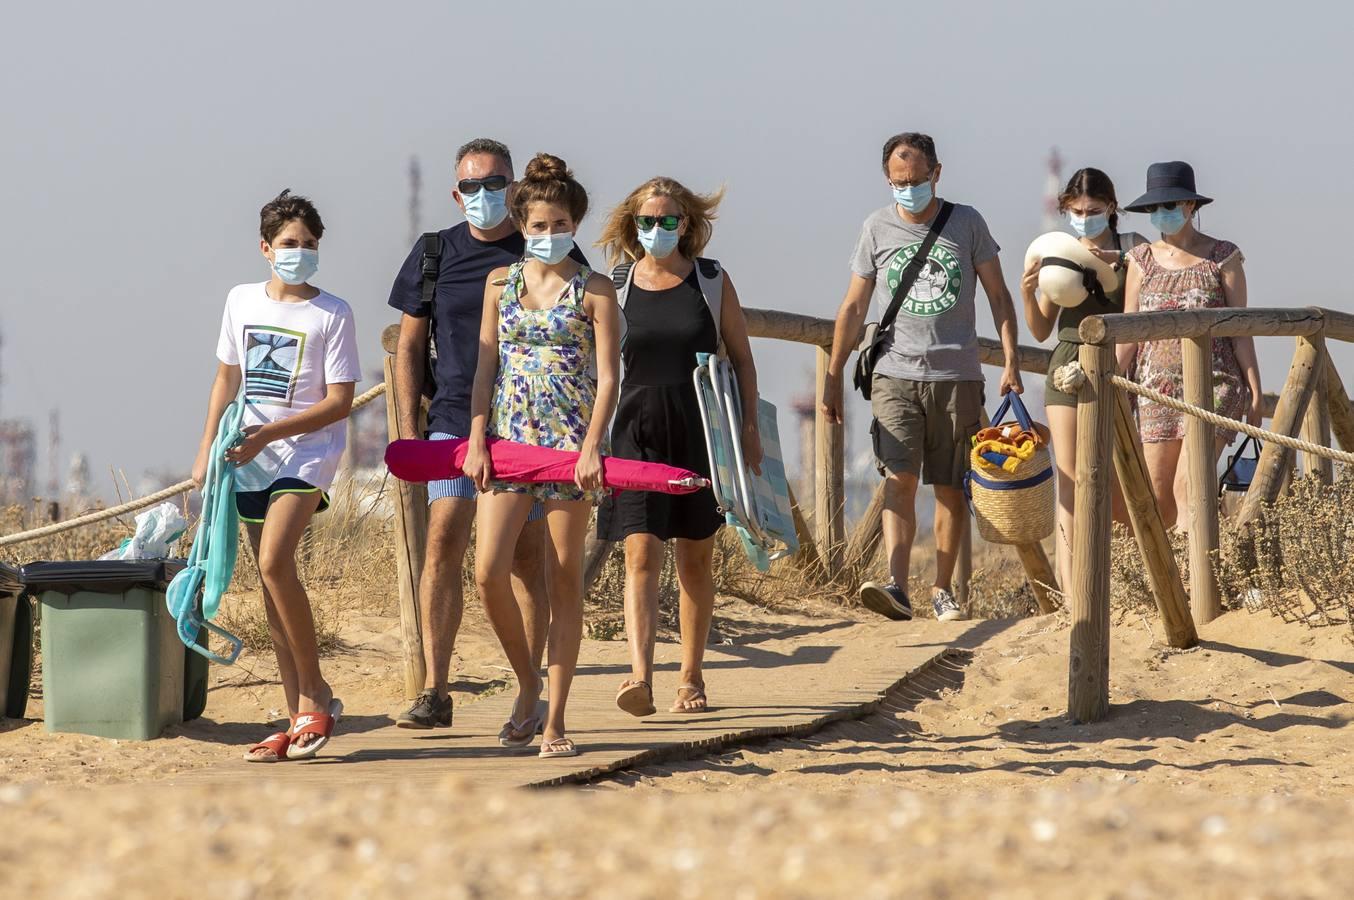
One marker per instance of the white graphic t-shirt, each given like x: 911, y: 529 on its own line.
x: 288, y: 352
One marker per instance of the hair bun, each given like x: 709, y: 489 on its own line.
x: 545, y: 167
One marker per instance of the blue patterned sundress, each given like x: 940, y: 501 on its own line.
x: 546, y: 386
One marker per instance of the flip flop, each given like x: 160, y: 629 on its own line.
x: 697, y: 693
x: 278, y: 743
x: 558, y: 748
x: 514, y: 735
x: 314, y: 723
x: 636, y: 698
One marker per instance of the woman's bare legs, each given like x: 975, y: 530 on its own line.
x: 1180, y: 488
x: 643, y: 565
x: 695, y: 578
x: 566, y: 522
x: 498, y: 523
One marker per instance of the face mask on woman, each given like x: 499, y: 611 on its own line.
x: 1169, y: 221
x: 296, y: 265
x: 915, y: 197
x: 550, y: 248
x: 1091, y: 226
x: 658, y: 242
x: 486, y: 209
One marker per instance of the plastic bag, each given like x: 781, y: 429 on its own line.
x: 156, y: 530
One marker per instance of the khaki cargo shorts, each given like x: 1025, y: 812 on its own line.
x: 925, y: 427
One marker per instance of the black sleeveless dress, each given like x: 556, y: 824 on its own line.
x: 658, y: 417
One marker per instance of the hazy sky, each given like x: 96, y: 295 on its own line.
x: 143, y: 138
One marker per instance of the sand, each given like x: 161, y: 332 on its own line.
x: 1222, y: 772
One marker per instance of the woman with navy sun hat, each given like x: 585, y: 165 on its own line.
x: 1185, y: 269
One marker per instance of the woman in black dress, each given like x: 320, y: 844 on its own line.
x: 674, y: 305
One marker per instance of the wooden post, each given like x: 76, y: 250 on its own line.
x: 1088, y: 669
x: 1316, y: 426
x: 595, y: 553
x: 1293, y: 400
x: 411, y: 539
x: 1200, y: 447
x: 869, y: 531
x: 829, y: 481
x: 1155, y: 547
x: 1341, y: 413
x: 1039, y: 572
x: 806, y: 558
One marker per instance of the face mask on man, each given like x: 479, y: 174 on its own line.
x: 1091, y: 226
x: 1169, y: 221
x: 486, y: 209
x: 915, y: 197
x: 296, y: 265
x: 550, y: 248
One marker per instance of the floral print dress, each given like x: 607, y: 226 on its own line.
x: 1159, y: 365
x: 546, y: 385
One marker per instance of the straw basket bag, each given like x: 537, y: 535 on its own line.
x: 1011, y: 488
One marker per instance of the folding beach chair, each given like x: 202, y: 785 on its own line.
x: 757, y: 507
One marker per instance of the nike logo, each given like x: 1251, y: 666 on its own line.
x: 303, y: 721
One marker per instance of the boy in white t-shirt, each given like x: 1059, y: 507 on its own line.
x: 294, y: 349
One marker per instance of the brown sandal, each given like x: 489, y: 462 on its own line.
x: 695, y: 692
x: 636, y: 698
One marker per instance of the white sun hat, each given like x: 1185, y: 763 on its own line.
x: 1070, y: 270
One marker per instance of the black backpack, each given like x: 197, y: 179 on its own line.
x: 432, y: 265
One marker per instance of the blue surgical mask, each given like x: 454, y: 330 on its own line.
x: 1168, y: 221
x: 550, y: 248
x: 914, y: 198
x: 1091, y: 226
x: 486, y: 209
x: 657, y: 242
x: 296, y: 265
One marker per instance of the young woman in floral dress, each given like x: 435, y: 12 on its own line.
x: 548, y: 375
x: 1185, y: 269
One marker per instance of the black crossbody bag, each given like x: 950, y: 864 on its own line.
x: 876, y: 332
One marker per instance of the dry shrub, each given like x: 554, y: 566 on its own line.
x: 1297, y: 559
x: 346, y: 561
x: 87, y: 542
x: 1130, y: 590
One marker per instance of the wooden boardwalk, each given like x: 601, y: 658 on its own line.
x: 795, y: 683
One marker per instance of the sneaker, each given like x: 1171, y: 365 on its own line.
x: 887, y: 600
x: 946, y: 607
x: 428, y: 711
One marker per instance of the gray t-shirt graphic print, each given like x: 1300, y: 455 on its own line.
x: 935, y: 337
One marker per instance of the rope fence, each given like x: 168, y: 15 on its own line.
x: 173, y: 490
x: 1070, y: 378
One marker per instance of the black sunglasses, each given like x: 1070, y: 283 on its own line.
x: 473, y: 185
x: 667, y: 223
x: 1153, y: 207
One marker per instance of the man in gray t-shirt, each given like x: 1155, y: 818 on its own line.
x: 927, y: 393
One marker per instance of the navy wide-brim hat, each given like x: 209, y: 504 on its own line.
x: 1167, y: 181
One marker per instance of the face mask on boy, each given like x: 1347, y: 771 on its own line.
x: 296, y: 265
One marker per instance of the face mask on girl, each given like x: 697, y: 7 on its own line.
x: 658, y: 242
x: 486, y: 209
x: 550, y: 248
x: 1169, y: 221
x: 296, y: 265
x: 914, y: 198
x: 1091, y: 226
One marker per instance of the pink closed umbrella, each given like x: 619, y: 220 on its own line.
x: 527, y: 464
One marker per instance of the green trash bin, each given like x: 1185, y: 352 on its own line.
x: 112, y: 661
x: 16, y: 643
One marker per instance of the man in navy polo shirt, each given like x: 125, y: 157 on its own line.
x: 471, y: 250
